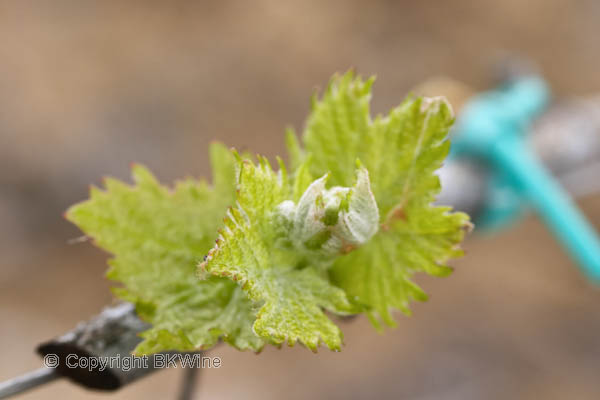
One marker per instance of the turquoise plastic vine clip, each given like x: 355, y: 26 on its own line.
x: 492, y: 128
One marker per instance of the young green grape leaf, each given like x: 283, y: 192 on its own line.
x: 291, y: 249
x: 278, y: 250
x: 157, y: 237
x: 401, y: 151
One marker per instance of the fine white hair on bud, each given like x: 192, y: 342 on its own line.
x: 433, y: 104
x: 331, y: 221
x: 361, y: 219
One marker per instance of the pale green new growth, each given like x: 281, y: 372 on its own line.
x: 290, y: 249
x: 278, y: 251
x: 328, y: 222
x: 402, y: 151
x: 158, y: 236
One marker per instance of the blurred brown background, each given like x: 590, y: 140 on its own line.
x: 88, y: 87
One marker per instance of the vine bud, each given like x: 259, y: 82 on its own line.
x: 332, y: 221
